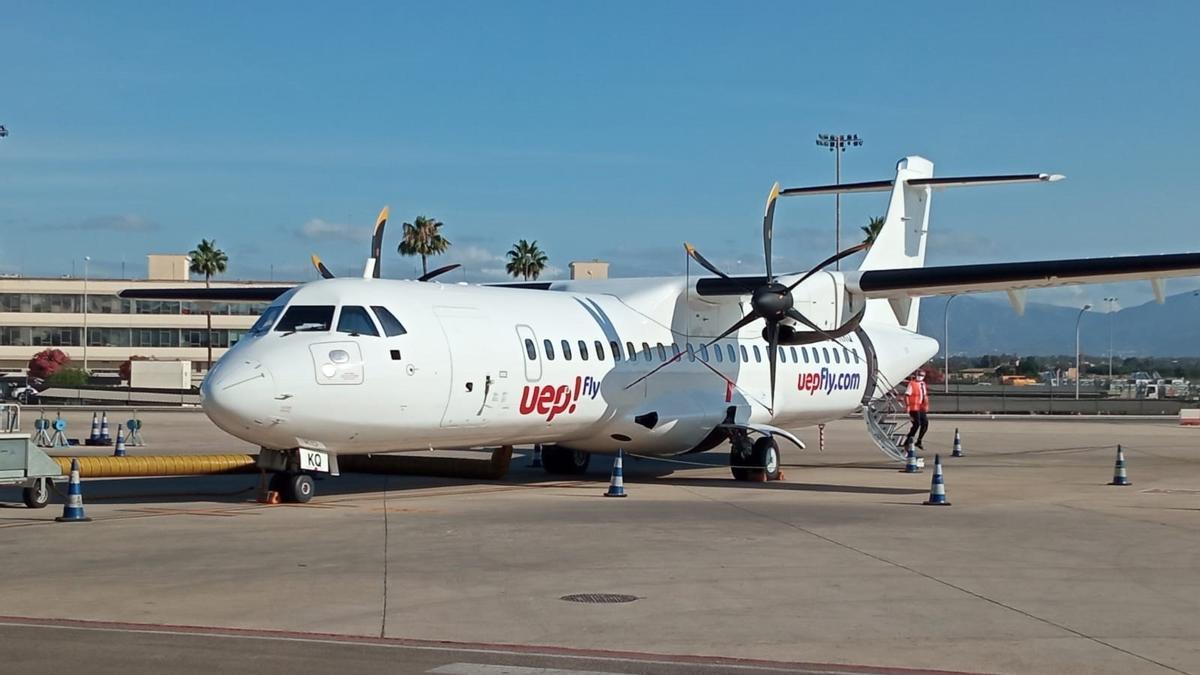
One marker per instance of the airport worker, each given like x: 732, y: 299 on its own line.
x: 917, y: 399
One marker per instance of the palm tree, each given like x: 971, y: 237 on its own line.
x: 526, y: 260
x: 871, y: 229
x: 208, y: 260
x: 423, y: 237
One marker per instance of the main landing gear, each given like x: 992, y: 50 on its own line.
x: 754, y: 461
x: 556, y: 459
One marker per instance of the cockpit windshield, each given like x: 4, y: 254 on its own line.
x: 305, y: 318
x: 265, y: 320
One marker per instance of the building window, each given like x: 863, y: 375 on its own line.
x: 156, y: 307
x: 108, y: 337
x: 41, y: 336
x: 155, y: 337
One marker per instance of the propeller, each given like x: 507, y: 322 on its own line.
x: 773, y: 302
x: 376, y: 253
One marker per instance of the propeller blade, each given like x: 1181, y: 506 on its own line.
x: 743, y: 392
x: 769, y: 227
x: 749, y: 318
x: 321, y: 268
x: 695, y: 255
x: 438, y: 272
x: 819, y: 334
x: 377, y: 241
x: 827, y: 262
x: 664, y: 364
x: 772, y: 356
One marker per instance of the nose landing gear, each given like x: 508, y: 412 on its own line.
x: 291, y: 471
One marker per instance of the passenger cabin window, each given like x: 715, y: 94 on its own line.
x: 530, y: 349
x: 646, y: 351
x: 305, y: 318
x: 566, y: 350
x: 731, y: 352
x: 548, y: 346
x: 782, y: 355
x: 804, y: 353
x: 795, y: 359
x: 391, y: 325
x: 745, y: 355
x: 662, y: 352
x: 691, y: 352
x: 264, y: 322
x: 757, y: 355
x: 355, y: 321
x: 825, y: 354
x: 846, y: 353
x: 583, y: 354
x: 631, y: 351
x: 837, y: 358
x: 599, y: 350
x: 616, y: 350
x: 675, y: 351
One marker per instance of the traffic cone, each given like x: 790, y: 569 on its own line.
x: 1119, y: 477
x: 95, y: 437
x: 104, y: 437
x: 535, y: 460
x: 119, y: 451
x: 910, y: 461
x: 958, y: 451
x: 937, y: 487
x: 616, y: 487
x: 73, y: 507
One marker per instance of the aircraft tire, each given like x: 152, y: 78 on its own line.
x: 739, y: 459
x: 556, y: 459
x: 766, y: 455
x: 298, y: 488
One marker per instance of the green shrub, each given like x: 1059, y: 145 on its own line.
x: 68, y: 377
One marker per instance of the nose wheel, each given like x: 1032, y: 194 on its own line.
x: 295, y: 488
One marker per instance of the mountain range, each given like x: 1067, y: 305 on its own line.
x: 988, y: 325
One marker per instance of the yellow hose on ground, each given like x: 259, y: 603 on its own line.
x: 158, y: 465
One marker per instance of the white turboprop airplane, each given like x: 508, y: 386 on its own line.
x: 659, y: 366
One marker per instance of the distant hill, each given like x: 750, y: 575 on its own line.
x: 987, y: 325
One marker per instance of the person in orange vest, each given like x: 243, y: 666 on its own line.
x: 917, y: 399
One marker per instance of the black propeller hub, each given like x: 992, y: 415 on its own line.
x: 772, y: 301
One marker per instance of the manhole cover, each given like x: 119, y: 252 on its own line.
x: 598, y: 597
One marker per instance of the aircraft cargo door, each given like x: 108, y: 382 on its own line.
x: 476, y: 367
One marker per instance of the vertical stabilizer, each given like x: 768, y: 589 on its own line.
x: 900, y: 244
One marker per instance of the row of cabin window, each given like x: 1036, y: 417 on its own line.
x: 719, y: 355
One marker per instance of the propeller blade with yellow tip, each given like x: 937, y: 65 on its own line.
x: 377, y: 240
x: 324, y: 271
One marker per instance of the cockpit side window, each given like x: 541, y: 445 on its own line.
x: 264, y: 322
x: 391, y: 325
x: 304, y: 318
x: 355, y: 321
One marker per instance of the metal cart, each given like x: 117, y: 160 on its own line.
x: 24, y: 465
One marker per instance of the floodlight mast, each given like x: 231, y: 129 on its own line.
x: 837, y: 144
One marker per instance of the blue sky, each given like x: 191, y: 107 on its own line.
x: 610, y: 130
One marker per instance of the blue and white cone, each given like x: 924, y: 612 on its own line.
x: 937, y: 487
x: 616, y: 487
x: 73, y: 508
x: 910, y: 461
x: 104, y: 437
x: 1119, y: 476
x: 535, y: 460
x: 119, y: 451
x: 958, y: 451
x: 95, y: 437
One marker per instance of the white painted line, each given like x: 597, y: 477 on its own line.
x: 489, y: 669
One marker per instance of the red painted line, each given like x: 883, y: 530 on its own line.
x: 450, y: 645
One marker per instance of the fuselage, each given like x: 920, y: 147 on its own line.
x: 373, y: 365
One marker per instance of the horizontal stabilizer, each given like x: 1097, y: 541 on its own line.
x: 935, y: 183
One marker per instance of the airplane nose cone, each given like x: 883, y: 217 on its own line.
x: 239, y: 397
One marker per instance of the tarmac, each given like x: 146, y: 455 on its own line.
x: 1038, y: 567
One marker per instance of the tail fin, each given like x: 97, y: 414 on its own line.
x: 900, y: 244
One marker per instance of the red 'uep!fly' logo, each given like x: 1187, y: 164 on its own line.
x: 551, y: 400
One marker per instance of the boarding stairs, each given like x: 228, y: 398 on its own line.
x: 887, y: 418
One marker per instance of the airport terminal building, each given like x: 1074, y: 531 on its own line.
x: 37, y: 313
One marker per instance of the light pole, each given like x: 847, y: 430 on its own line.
x: 946, y: 340
x: 837, y: 144
x: 1111, y: 302
x: 1077, y: 371
x: 86, y: 260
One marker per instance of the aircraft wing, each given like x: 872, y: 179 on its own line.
x: 954, y: 279
x: 246, y: 294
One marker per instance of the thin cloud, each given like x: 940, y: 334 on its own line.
x: 126, y: 222
x: 319, y: 229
